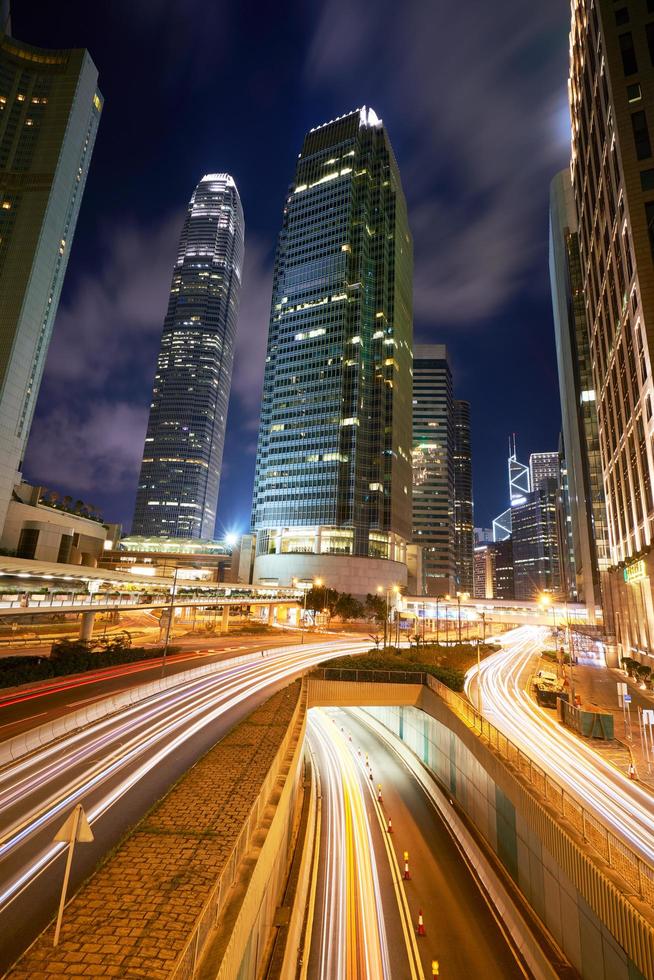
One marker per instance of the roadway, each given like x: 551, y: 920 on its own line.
x: 505, y: 700
x: 25, y: 707
x: 118, y: 768
x: 365, y: 916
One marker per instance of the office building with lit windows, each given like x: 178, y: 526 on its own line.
x: 586, y: 547
x: 535, y: 542
x: 433, y: 467
x: 493, y: 570
x: 332, y: 494
x: 50, y: 109
x: 543, y: 466
x: 464, y: 529
x: 612, y: 171
x: 180, y: 472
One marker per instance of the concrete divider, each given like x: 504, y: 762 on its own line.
x: 36, y: 738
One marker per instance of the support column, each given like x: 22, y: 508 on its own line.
x: 86, y: 625
x: 224, y: 623
x: 271, y: 614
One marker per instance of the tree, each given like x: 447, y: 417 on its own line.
x: 347, y: 607
x: 375, y: 607
x: 67, y: 501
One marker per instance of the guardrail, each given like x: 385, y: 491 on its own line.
x: 621, y: 858
x: 186, y: 963
x: 369, y: 676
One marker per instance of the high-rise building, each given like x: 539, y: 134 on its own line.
x: 463, y: 508
x: 483, y: 535
x: 493, y: 570
x: 49, y: 113
x: 543, y: 466
x: 612, y: 170
x: 180, y: 472
x: 535, y: 539
x: 519, y: 487
x: 332, y: 493
x: 589, y: 546
x: 434, y: 443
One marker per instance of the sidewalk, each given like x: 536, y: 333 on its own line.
x: 598, y: 689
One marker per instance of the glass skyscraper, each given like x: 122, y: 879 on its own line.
x: 333, y: 469
x: 433, y: 467
x: 49, y: 113
x: 463, y: 508
x: 180, y: 473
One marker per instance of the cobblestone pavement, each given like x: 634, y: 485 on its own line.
x: 133, y: 917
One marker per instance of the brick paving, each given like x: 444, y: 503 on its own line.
x: 133, y: 917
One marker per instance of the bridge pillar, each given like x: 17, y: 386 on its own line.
x: 224, y: 622
x: 271, y: 614
x: 86, y: 625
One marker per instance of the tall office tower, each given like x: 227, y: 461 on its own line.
x: 493, y: 570
x: 49, y: 114
x: 519, y: 487
x: 535, y: 538
x: 482, y: 535
x: 180, y: 472
x: 612, y: 169
x: 587, y: 506
x: 434, y: 442
x: 566, y: 538
x: 332, y: 493
x: 543, y: 466
x: 463, y: 508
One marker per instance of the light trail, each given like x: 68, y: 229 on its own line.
x: 619, y: 802
x: 353, y: 940
x: 101, y: 763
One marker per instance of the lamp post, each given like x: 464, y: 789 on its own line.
x: 437, y: 630
x: 304, y: 609
x: 459, y: 596
x: 319, y: 583
x: 171, y: 610
x: 447, y: 622
x: 387, y: 590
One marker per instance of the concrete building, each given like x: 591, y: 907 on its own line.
x: 49, y: 114
x: 182, y: 458
x: 589, y: 545
x: 463, y: 505
x: 493, y: 570
x: 332, y: 493
x: 38, y: 528
x: 433, y: 467
x: 612, y: 171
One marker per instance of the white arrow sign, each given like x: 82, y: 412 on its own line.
x: 75, y: 828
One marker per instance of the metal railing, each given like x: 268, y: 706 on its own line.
x: 363, y: 676
x: 187, y: 961
x: 619, y: 856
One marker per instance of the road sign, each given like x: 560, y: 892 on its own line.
x: 622, y: 687
x: 74, y: 828
x: 648, y: 716
x: 626, y: 698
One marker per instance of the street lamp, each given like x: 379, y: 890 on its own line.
x: 388, y: 590
x: 171, y: 610
x: 459, y: 596
x: 304, y: 608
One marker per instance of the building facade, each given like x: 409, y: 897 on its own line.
x: 433, y: 457
x: 332, y: 493
x: 180, y: 472
x: 49, y: 114
x: 493, y: 570
x: 612, y: 172
x: 535, y: 541
x: 463, y: 505
x: 543, y: 466
x: 588, y: 545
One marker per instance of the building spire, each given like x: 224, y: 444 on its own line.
x: 5, y: 17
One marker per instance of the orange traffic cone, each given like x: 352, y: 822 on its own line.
x: 421, y: 926
x: 632, y: 771
x: 407, y: 873
x: 379, y: 793
x: 390, y: 826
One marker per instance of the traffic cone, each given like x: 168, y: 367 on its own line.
x: 379, y: 793
x: 407, y: 873
x: 390, y: 826
x: 421, y: 926
x: 371, y: 776
x: 435, y: 969
x: 632, y: 771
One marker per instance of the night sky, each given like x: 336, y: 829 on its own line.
x: 473, y: 95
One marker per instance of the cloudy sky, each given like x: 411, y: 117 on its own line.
x: 474, y: 98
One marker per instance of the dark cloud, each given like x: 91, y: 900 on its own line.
x: 476, y: 93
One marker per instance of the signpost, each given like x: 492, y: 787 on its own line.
x: 624, y: 701
x: 75, y: 828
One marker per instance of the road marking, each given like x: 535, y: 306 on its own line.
x: 19, y: 721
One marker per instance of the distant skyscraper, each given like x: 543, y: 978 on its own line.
x: 543, y: 466
x: 49, y: 114
x: 180, y: 473
x: 612, y: 170
x: 333, y: 473
x: 433, y: 467
x: 519, y: 487
x: 463, y: 509
x: 493, y: 570
x: 535, y: 539
x: 587, y: 552
x: 483, y: 535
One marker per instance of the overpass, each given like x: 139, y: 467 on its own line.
x: 36, y: 588
x: 442, y: 612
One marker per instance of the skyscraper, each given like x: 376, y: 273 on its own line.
x: 612, y: 170
x: 463, y: 509
x: 433, y: 467
x: 180, y: 472
x: 332, y: 492
x: 519, y: 487
x: 535, y: 539
x: 585, y: 486
x: 543, y: 466
x: 49, y: 114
